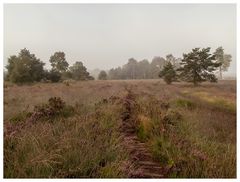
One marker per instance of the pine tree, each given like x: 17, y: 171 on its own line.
x: 198, y: 66
x: 168, y: 73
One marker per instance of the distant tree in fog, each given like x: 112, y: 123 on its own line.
x: 130, y: 69
x: 224, y: 59
x: 79, y: 72
x: 143, y: 69
x: 175, y: 61
x: 170, y: 58
x: 115, y: 73
x: 102, y: 75
x: 134, y: 69
x: 156, y: 65
x: 95, y: 73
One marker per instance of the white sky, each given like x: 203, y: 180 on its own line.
x: 106, y: 35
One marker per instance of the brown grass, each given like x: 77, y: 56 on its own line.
x: 200, y: 143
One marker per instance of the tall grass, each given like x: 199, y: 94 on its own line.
x: 84, y: 145
x: 180, y: 142
x: 190, y: 134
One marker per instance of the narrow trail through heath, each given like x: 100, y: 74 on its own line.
x: 140, y: 156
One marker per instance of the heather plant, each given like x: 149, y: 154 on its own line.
x: 55, y: 107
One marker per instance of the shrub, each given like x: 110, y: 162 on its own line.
x: 56, y: 106
x: 53, y: 75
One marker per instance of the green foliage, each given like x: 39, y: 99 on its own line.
x: 198, y: 66
x: 53, y: 75
x: 79, y: 72
x: 102, y: 75
x: 170, y: 58
x: 76, y: 72
x: 58, y: 62
x: 168, y: 73
x: 24, y: 68
x: 66, y: 75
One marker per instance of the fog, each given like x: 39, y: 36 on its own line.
x: 106, y: 35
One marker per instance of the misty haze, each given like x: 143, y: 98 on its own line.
x: 119, y: 90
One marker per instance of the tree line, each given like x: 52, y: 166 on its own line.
x: 196, y: 66
x: 27, y: 68
x: 142, y: 69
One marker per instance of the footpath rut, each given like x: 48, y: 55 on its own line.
x: 140, y: 157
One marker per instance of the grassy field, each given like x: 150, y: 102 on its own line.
x: 190, y: 132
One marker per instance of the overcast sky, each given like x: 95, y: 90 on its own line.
x: 106, y: 35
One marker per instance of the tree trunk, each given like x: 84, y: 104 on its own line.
x: 194, y: 78
x: 220, y: 72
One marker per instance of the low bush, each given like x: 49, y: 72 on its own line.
x: 55, y: 107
